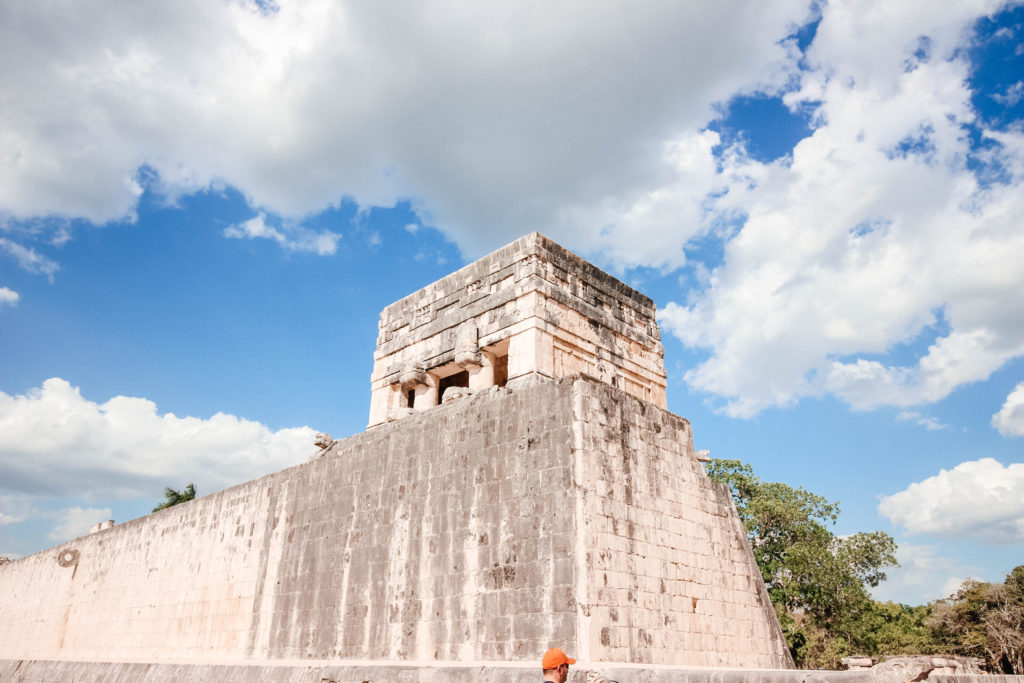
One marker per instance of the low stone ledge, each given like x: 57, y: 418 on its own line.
x: 42, y: 671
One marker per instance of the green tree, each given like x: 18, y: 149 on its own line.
x: 985, y: 620
x: 174, y: 497
x: 904, y: 630
x: 817, y: 581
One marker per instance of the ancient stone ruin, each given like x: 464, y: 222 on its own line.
x: 520, y: 486
x: 529, y: 310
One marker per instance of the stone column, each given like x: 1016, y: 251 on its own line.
x: 426, y: 394
x: 423, y: 383
x: 530, y: 353
x: 481, y: 376
x: 468, y: 355
x: 383, y: 401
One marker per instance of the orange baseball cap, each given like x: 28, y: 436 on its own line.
x: 555, y: 658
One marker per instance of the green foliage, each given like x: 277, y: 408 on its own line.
x: 903, y: 630
x: 818, y: 584
x: 817, y: 581
x: 985, y: 620
x: 174, y: 497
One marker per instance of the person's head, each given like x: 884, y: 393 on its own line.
x: 556, y: 665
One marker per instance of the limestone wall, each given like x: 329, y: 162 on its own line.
x: 531, y: 305
x: 427, y: 539
x: 368, y: 672
x: 323, y: 672
x: 669, y: 575
x: 561, y: 514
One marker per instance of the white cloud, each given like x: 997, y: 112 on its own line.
x: 1010, y: 418
x: 29, y: 259
x: 927, y: 421
x: 55, y: 443
x: 8, y: 297
x: 75, y: 521
x: 1012, y: 96
x: 923, y: 575
x: 590, y: 123
x: 293, y: 238
x: 979, y: 499
x: 649, y: 227
x: 876, y: 235
x: 492, y: 120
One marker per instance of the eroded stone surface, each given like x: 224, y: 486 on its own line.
x: 669, y: 569
x: 529, y: 308
x: 910, y: 668
x: 563, y: 514
x: 100, y: 526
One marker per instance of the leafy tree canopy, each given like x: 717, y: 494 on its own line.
x: 985, y: 620
x: 817, y: 581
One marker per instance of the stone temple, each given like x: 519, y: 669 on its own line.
x: 529, y: 310
x: 520, y: 486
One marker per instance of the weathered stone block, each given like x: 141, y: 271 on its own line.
x: 530, y: 308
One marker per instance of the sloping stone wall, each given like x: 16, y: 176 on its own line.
x: 669, y: 576
x: 434, y: 538
x: 566, y: 514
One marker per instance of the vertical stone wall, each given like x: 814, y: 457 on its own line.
x: 667, y: 574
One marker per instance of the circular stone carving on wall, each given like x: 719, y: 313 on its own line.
x: 66, y: 558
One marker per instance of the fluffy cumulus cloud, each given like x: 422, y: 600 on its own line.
x: 54, y: 443
x: 978, y: 499
x: 923, y: 575
x: 1010, y: 418
x: 589, y: 122
x: 579, y: 119
x: 878, y: 233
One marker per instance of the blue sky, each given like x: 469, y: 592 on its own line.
x: 204, y: 206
